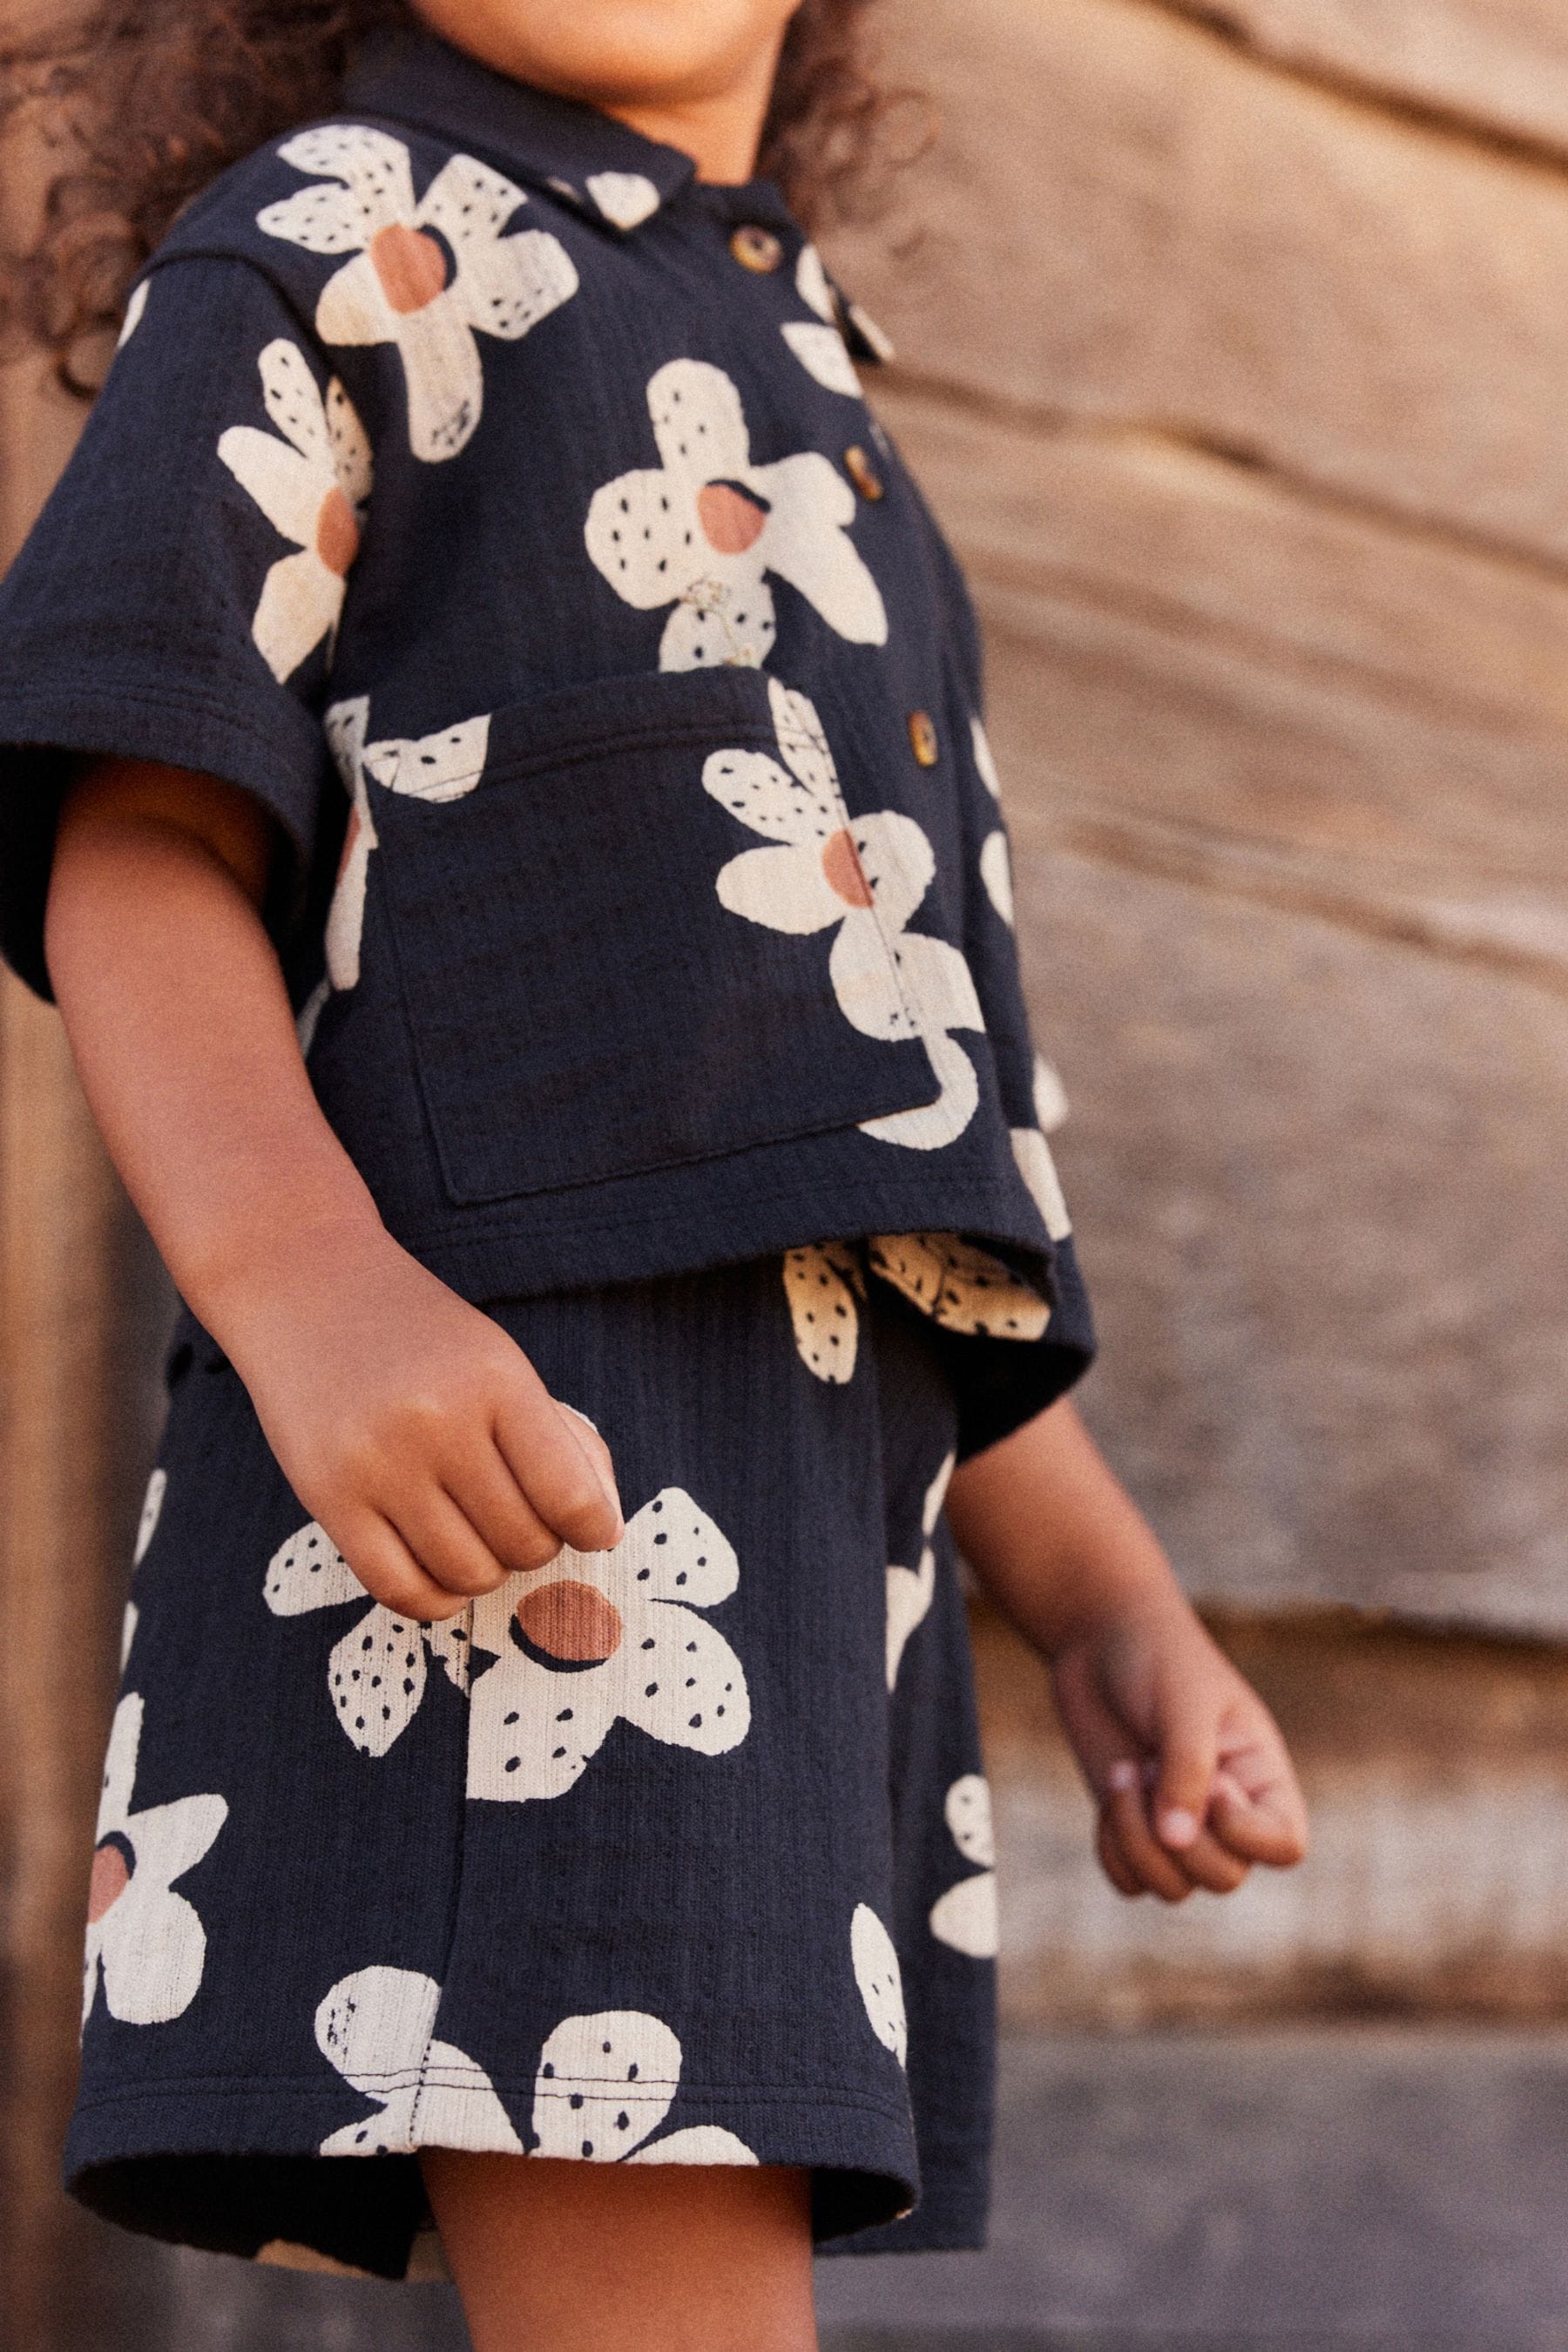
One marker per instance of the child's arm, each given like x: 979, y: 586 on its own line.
x: 406, y: 1421
x: 1184, y: 1760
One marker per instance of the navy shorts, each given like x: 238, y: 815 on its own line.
x: 678, y: 1854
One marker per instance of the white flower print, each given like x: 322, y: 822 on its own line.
x: 817, y: 343
x: 956, y: 1283
x: 863, y: 877
x: 996, y: 874
x: 146, y: 1941
x: 376, y: 1673
x: 996, y: 864
x: 152, y: 1512
x: 1038, y: 1171
x: 701, y: 530
x: 377, y: 2028
x: 312, y: 486
x: 429, y: 277
x: 135, y: 311
x: 1032, y: 1153
x: 820, y: 1284
x: 960, y: 1286
x: 877, y: 1972
x: 624, y: 198
x: 911, y: 1589
x: 599, y: 1635
x: 1050, y: 1095
x: 965, y: 1916
x: 439, y: 767
x: 605, y: 2083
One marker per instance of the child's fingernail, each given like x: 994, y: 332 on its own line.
x: 1178, y: 1827
x: 1122, y: 1776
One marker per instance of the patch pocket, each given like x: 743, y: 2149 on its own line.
x: 581, y: 1005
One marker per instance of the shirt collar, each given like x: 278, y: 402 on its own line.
x: 410, y: 75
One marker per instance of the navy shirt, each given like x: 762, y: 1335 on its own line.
x: 498, y: 504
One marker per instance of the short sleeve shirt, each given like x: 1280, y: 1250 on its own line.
x: 499, y: 505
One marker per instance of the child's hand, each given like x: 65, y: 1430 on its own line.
x: 1186, y: 1763
x: 1184, y: 1760
x: 413, y: 1428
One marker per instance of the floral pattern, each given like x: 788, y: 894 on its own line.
x: 703, y: 530
x: 960, y: 1286
x: 995, y: 864
x: 956, y: 1283
x: 429, y: 275
x: 146, y: 1942
x: 818, y: 343
x: 910, y: 1590
x: 152, y: 1512
x: 965, y: 1916
x: 604, y: 2084
x: 821, y: 1284
x: 377, y: 2028
x: 595, y: 1636
x: 313, y: 486
x: 862, y: 878
x: 376, y: 1673
x: 1032, y: 1153
x: 626, y: 199
x: 877, y: 1972
x: 439, y: 767
x: 135, y: 311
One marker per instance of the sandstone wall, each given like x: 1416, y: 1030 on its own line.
x: 1233, y: 351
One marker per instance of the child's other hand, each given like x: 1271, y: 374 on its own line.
x: 1185, y: 1762
x: 411, y: 1427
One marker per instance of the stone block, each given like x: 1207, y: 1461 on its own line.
x: 1130, y: 219
x: 1198, y: 669
x: 1318, y: 1184
x: 1498, y: 65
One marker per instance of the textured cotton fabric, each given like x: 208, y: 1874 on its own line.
x: 498, y: 506
x: 675, y: 1855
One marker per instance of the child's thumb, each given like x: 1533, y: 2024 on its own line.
x: 1189, y: 1752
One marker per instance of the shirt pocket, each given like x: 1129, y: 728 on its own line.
x: 580, y: 1003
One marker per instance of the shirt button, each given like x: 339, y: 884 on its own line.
x: 861, y: 472
x: 922, y: 738
x: 756, y: 248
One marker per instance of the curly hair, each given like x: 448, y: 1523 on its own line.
x: 148, y: 100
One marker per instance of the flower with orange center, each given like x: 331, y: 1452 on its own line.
x: 702, y: 531
x: 145, y: 1943
x: 596, y: 1636
x: 430, y: 274
x: 312, y: 486
x: 863, y: 877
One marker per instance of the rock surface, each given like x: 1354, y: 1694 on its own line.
x: 1265, y: 501
x: 1490, y: 66
x: 1130, y: 218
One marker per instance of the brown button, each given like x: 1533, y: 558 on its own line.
x: 861, y: 472
x: 756, y: 248
x: 922, y: 738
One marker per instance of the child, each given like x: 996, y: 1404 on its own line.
x: 597, y: 1143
